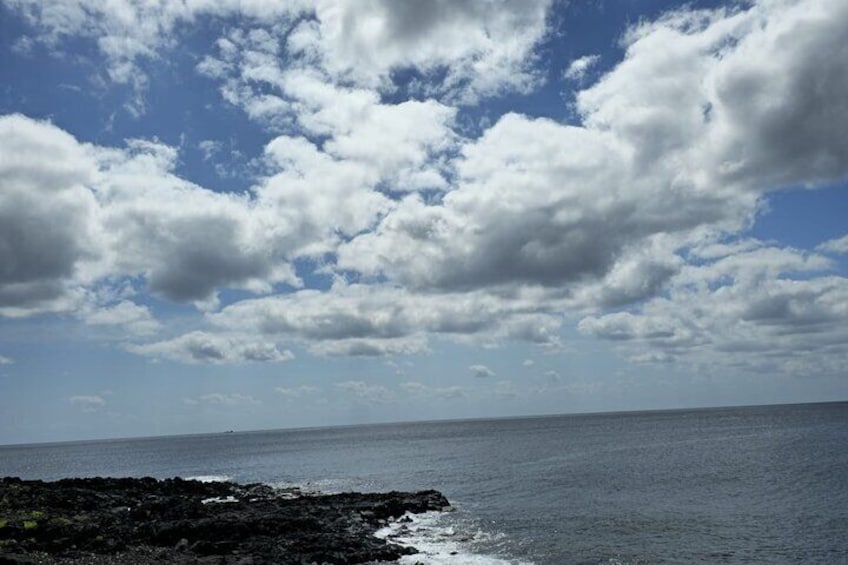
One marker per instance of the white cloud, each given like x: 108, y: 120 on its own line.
x: 395, y: 144
x: 761, y: 310
x: 186, y: 240
x: 6, y: 360
x: 486, y: 47
x: 481, y: 371
x: 374, y: 320
x: 539, y: 203
x: 315, y: 198
x: 124, y: 214
x: 836, y: 246
x: 43, y: 170
x: 738, y: 105
x: 132, y: 33
x: 579, y: 67
x: 136, y: 319
x: 210, y: 148
x: 203, y: 347
x: 652, y: 357
x: 532, y: 219
x: 481, y: 48
x: 605, y: 210
x: 371, y: 347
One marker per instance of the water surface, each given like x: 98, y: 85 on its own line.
x: 728, y: 485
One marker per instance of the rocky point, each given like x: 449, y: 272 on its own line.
x: 145, y: 520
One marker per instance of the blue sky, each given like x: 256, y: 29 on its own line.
x: 254, y: 214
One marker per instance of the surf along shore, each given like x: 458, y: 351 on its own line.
x: 145, y: 520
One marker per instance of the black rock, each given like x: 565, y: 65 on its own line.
x: 108, y: 520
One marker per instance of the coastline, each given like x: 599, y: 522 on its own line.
x: 145, y: 520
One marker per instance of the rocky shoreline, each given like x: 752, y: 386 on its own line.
x: 145, y: 520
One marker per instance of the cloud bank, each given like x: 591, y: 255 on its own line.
x: 627, y: 223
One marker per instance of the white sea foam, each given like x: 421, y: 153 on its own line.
x: 219, y: 500
x: 441, y: 542
x: 210, y: 478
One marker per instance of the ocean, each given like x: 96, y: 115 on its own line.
x: 725, y: 485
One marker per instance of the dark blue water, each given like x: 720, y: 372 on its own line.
x: 730, y: 485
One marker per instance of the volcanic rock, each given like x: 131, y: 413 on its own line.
x: 144, y: 520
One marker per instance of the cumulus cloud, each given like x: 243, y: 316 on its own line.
x: 361, y: 319
x: 623, y: 218
x: 315, y: 199
x: 738, y: 103
x: 478, y: 48
x: 763, y: 310
x: 579, y: 67
x: 134, y: 318
x: 836, y: 246
x: 538, y: 203
x: 130, y: 33
x: 485, y: 47
x: 210, y: 148
x: 187, y: 241
x: 604, y: 211
x: 389, y: 136
x: 125, y: 214
x: 651, y: 357
x: 43, y: 170
x: 6, y: 360
x: 203, y: 347
x: 370, y: 142
x: 481, y: 371
x: 371, y: 347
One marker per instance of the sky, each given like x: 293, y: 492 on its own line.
x: 256, y: 214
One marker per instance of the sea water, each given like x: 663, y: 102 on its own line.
x: 728, y: 485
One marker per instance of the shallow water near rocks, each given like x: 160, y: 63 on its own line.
x: 729, y: 485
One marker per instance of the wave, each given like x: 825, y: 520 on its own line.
x: 440, y: 539
x: 210, y: 478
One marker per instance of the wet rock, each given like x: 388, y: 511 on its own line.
x: 138, y: 521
